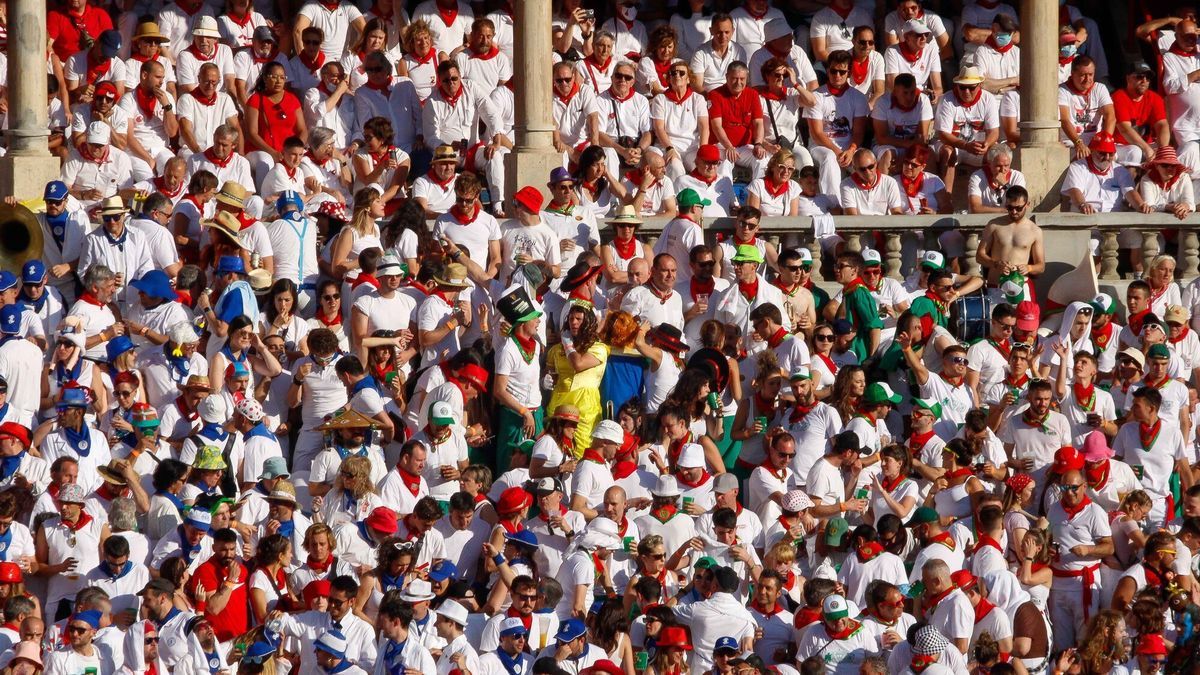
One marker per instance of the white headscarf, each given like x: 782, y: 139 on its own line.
x: 1005, y: 592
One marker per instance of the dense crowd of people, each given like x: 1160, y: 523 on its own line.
x: 298, y: 382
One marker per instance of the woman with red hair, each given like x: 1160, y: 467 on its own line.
x: 924, y: 192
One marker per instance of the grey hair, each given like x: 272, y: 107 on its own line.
x: 936, y: 567
x: 122, y: 515
x: 97, y: 274
x: 737, y: 66
x: 603, y: 34
x: 318, y: 136
x: 997, y: 150
x: 226, y: 131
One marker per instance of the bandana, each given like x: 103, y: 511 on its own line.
x: 1147, y: 435
x: 869, y: 551
x: 1085, y: 397
x: 1073, y: 511
x: 314, y: 63
x: 859, y: 69
x: 79, y: 441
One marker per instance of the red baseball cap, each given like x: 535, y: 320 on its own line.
x: 709, y: 153
x: 512, y: 500
x: 1103, y: 142
x: 1067, y: 459
x: 529, y: 197
x: 1029, y: 315
x: 383, y: 520
x: 1152, y: 644
x: 14, y: 430
x: 963, y: 579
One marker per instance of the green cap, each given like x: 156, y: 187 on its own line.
x: 706, y: 563
x: 747, y: 253
x: 925, y: 514
x: 1012, y: 285
x: 835, y: 531
x: 880, y: 392
x: 1104, y: 304
x: 933, y: 407
x: 1159, y: 351
x: 687, y: 198
x: 525, y: 446
x: 800, y: 373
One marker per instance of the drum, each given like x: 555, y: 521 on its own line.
x: 969, y: 318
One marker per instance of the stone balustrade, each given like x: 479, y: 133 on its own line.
x: 899, y: 238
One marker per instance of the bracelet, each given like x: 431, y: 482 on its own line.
x: 498, y: 559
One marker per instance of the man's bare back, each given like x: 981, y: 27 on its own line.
x: 1009, y: 245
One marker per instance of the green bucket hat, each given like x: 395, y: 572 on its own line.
x: 747, y: 253
x: 209, y: 459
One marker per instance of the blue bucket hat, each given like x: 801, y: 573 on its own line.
x: 33, y: 272
x: 231, y: 263
x: 118, y: 346
x: 72, y: 398
x: 56, y: 190
x: 7, y: 280
x: 10, y: 319
x: 155, y: 284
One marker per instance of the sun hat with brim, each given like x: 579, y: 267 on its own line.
x: 566, y: 412
x: 579, y: 274
x: 258, y: 653
x: 917, y: 27
x: 8, y: 280
x: 475, y: 375
x: 600, y: 533
x: 209, y: 459
x: 969, y: 75
x: 1176, y: 314
x: 673, y: 637
x: 347, y: 419
x: 382, y: 519
x: 665, y: 486
x: 522, y: 538
x: 1095, y: 448
x: 333, y: 210
x: 530, y: 197
x: 233, y: 193
x: 264, y: 34
x: 98, y: 133
x: 714, y: 362
x: 1165, y: 156
x: 110, y: 474
x: 198, y: 382
x: 118, y: 346
x: 155, y: 284
x: 148, y: 30
x: 112, y: 206
x: 626, y: 215
x: 835, y: 607
x: 450, y: 609
x: 667, y: 336
x: 726, y: 645
x: 72, y: 493
x: 10, y: 319
x: 706, y: 562
x: 691, y: 456
x: 601, y: 667
x: 454, y: 275
x: 417, y: 590
x: 206, y: 26
x: 29, y: 651
x: 513, y: 500
x: 688, y: 198
x: 283, y: 492
x: 332, y: 642
x: 226, y: 224
x: 880, y: 392
x: 606, y: 430
x: 1134, y: 354
x: 747, y: 253
x: 517, y: 307
x: 274, y: 467
x: 1158, y: 351
x: 445, y: 153
x: 17, y: 431
x: 924, y: 515
x: 441, y: 414
x: 795, y: 501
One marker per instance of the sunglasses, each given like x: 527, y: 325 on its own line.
x: 824, y: 337
x: 656, y: 556
x: 869, y: 167
x: 839, y: 71
x: 113, y: 217
x: 1069, y: 488
x: 151, y: 640
x: 78, y: 630
x: 866, y: 43
x: 375, y: 69
x: 678, y: 73
x: 450, y: 79
x: 623, y: 78
x: 787, y: 455
x: 563, y: 80
x: 959, y: 360
x: 1014, y: 207
x: 331, y: 297
x: 794, y: 268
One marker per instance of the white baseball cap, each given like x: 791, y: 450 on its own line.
x: 99, y: 133
x: 691, y: 456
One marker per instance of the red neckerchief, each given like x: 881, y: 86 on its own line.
x: 858, y: 71
x: 486, y: 56
x: 1167, y: 184
x: 384, y: 88
x: 1179, y: 52
x: 270, y: 57
x: 662, y: 297
x: 869, y: 551
x: 161, y: 185
x: 854, y: 285
x: 448, y: 16
x: 912, y: 187
x: 202, y: 99
x: 211, y: 155
x: 774, y: 190
x: 983, y: 609
x: 693, y: 484
x: 955, y: 382
x: 991, y: 42
x: 836, y: 92
x: 312, y: 63
x: 243, y: 20
x: 863, y: 184
x: 1136, y: 319
x: 1102, y: 336
x: 364, y: 278
x: 1066, y: 60
x: 511, y: 526
x: 527, y: 345
x: 763, y: 406
x: 945, y: 539
x: 1018, y: 382
x: 1147, y: 435
x: 917, y: 441
x: 766, y: 92
x: 319, y: 566
x: 991, y: 179
x: 940, y: 304
x: 1182, y: 336
x: 545, y: 517
x: 100, y: 158
x: 1085, y: 397
x: 526, y: 619
x: 625, y: 463
x: 676, y: 447
x: 1073, y: 511
x: 852, y: 625
x: 800, y: 411
x: 910, y: 57
x: 90, y: 299
x: 142, y: 59
x: 678, y: 98
x: 931, y: 604
x: 1097, y: 476
x: 972, y: 102
x: 464, y: 219
x: 78, y: 525
x: 778, y: 338
x: 702, y: 179
x: 777, y: 474
x: 1092, y: 167
x: 591, y: 65
x: 184, y: 411
x: 665, y: 513
x: 1155, y: 578
x: 829, y: 364
x: 987, y: 540
x: 422, y: 60
x: 245, y: 221
x: 566, y: 100
x: 806, y: 617
x: 452, y: 99
x: 959, y: 473
x: 890, y: 485
x: 844, y: 13
x: 750, y: 290
x: 96, y: 70
x: 626, y: 249
x: 660, y: 69
x: 411, y: 481
x: 291, y: 173
x: 443, y: 184
x: 756, y: 606
x: 195, y: 51
x: 786, y: 291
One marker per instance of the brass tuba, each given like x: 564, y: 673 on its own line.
x: 20, y: 236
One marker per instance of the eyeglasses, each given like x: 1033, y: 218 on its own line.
x: 779, y: 75
x: 450, y: 79
x: 866, y: 43
x: 563, y: 80
x: 1140, y: 76
x: 824, y: 337
x: 786, y: 169
x: 1006, y: 326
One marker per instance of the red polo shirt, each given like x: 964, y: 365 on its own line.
x: 737, y: 113
x: 64, y: 28
x: 1142, y: 114
x: 235, y: 618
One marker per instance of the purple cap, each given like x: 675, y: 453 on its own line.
x: 559, y: 175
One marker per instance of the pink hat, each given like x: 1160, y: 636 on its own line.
x: 1095, y: 448
x: 1029, y: 315
x: 28, y: 650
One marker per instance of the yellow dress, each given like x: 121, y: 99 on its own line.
x: 581, y: 390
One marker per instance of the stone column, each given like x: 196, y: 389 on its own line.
x: 28, y: 165
x: 1040, y: 156
x: 533, y: 154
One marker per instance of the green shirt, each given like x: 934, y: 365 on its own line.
x: 862, y: 311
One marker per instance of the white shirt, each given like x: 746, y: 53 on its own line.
x: 188, y: 62
x: 1084, y: 108
x: 681, y: 118
x: 206, y: 118
x: 837, y: 113
x: 928, y: 62
x: 712, y: 66
x: 1104, y: 191
x: 968, y: 122
x: 1183, y: 96
x: 875, y: 200
x: 334, y: 24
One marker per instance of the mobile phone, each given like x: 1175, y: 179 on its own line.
x: 589, y: 14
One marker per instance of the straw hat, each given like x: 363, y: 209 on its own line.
x: 148, y: 30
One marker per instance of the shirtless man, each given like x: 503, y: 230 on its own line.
x: 1012, y: 245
